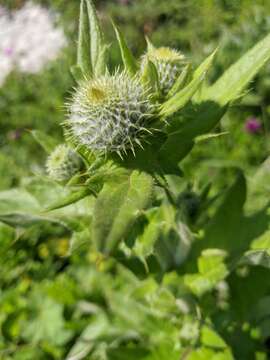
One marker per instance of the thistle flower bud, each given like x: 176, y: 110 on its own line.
x: 112, y: 113
x: 169, y: 64
x: 63, y: 163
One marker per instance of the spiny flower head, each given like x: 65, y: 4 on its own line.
x: 111, y: 113
x: 63, y: 163
x: 169, y: 64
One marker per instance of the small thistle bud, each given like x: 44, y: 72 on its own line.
x: 169, y: 64
x: 109, y: 114
x: 63, y: 163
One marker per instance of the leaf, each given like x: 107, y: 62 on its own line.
x: 205, y: 137
x: 101, y: 65
x: 98, y: 326
x: 173, y: 244
x: 117, y: 207
x: 230, y: 85
x: 144, y: 245
x: 211, y: 339
x: 96, y: 35
x: 127, y: 57
x: 262, y: 242
x: 23, y: 220
x: 198, y: 119
x: 123, y: 353
x: 205, y: 65
x: 46, y: 322
x: 204, y: 353
x: 259, y: 187
x: 212, y: 270
x: 45, y: 141
x: 181, y: 98
x: 181, y: 81
x: 91, y: 49
x: 17, y: 200
x: 150, y: 76
x: 256, y: 258
x: 247, y: 289
x: 19, y: 207
x: 79, y: 239
x: 84, y: 41
x: 71, y: 198
x: 224, y: 231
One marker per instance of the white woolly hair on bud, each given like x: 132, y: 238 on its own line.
x: 63, y: 163
x: 110, y: 114
x: 169, y: 63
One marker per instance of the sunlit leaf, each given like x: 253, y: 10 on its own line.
x: 117, y: 207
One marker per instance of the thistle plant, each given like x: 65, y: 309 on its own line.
x: 169, y: 64
x: 163, y: 257
x: 63, y: 163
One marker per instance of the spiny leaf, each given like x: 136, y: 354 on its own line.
x: 205, y: 137
x: 84, y: 41
x: 181, y: 81
x: 101, y: 65
x: 91, y: 49
x: 181, y: 98
x: 205, y: 65
x: 96, y: 35
x: 199, y: 119
x: 117, y: 207
x: 71, y: 198
x: 230, y: 85
x: 150, y: 76
x: 25, y: 220
x: 127, y: 57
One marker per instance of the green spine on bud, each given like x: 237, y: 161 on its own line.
x: 63, y: 163
x: 169, y: 64
x: 112, y: 113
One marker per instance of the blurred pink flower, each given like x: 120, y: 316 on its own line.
x: 253, y: 125
x: 8, y: 51
x: 29, y: 39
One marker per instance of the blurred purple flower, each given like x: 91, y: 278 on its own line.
x: 253, y: 125
x: 8, y: 51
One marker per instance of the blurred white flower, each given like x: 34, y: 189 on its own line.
x: 28, y: 39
